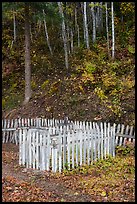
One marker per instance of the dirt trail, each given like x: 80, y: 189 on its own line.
x: 40, y: 179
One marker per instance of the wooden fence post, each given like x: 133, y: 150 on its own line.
x: 54, y: 154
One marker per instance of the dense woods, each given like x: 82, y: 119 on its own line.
x: 69, y: 58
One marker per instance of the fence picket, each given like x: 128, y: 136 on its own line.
x: 77, y: 147
x: 113, y: 139
x: 54, y: 155
x: 68, y: 151
x: 33, y: 148
x: 118, y: 130
x: 20, y: 146
x: 131, y: 132
x: 27, y: 151
x: 64, y: 147
x: 134, y: 138
x: 102, y: 140
x: 11, y: 132
x: 108, y: 139
x: 88, y: 146
x: 122, y: 132
x: 73, y: 152
x: 126, y: 132
x: 91, y: 136
x: 4, y: 133
x: 8, y: 126
x: 80, y: 145
x: 16, y: 133
x: 84, y: 145
x: 37, y: 150
x: 30, y: 150
x: 98, y: 139
x: 60, y: 151
x: 23, y: 147
x: 105, y: 133
x: 48, y: 151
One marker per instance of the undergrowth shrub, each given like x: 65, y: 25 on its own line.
x: 129, y: 148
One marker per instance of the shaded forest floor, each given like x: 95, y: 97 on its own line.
x: 104, y: 181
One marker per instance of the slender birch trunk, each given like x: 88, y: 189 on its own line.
x: 78, y: 37
x: 94, y: 23
x: 97, y: 18
x: 28, y: 91
x: 113, y: 34
x: 86, y: 26
x: 77, y: 27
x: 101, y: 17
x: 39, y: 26
x: 107, y: 29
x: 68, y: 38
x: 76, y: 22
x: 47, y: 36
x: 71, y: 42
x: 64, y: 34
x: 84, y: 32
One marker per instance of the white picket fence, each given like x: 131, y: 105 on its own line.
x: 55, y: 144
x: 10, y: 127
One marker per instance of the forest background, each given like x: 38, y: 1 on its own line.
x: 72, y: 59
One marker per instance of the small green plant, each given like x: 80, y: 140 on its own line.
x: 44, y: 85
x: 109, y: 80
x: 100, y: 93
x: 13, y: 87
x: 66, y: 166
x: 131, y: 49
x: 55, y: 87
x: 90, y: 67
x: 33, y: 84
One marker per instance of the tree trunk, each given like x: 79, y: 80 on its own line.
x: 113, y: 34
x: 97, y: 19
x: 47, y: 36
x: 84, y: 32
x: 94, y: 23
x: 101, y: 17
x: 28, y: 91
x: 64, y: 35
x: 107, y: 30
x: 77, y: 27
x: 68, y: 39
x: 71, y: 42
x: 78, y: 37
x: 86, y: 26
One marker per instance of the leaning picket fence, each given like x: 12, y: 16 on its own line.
x: 54, y: 145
